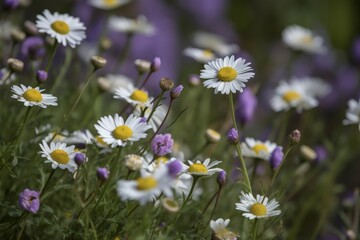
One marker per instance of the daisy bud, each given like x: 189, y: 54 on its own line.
x: 233, y: 136
x: 41, y: 76
x: 15, y: 65
x: 155, y: 64
x: 221, y: 178
x: 29, y: 200
x: 102, y: 174
x: 105, y: 44
x: 246, y: 105
x: 142, y: 66
x: 174, y: 168
x: 307, y: 152
x: 11, y: 4
x: 166, y: 84
x: 134, y: 162
x: 162, y: 144
x: 17, y: 35
x: 30, y: 28
x: 170, y: 205
x: 294, y: 136
x: 175, y: 93
x: 98, y: 62
x: 212, y: 135
x: 79, y: 159
x: 276, y: 157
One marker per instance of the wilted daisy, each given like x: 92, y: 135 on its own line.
x: 157, y: 117
x: 59, y: 155
x: 300, y: 38
x: 257, y: 149
x: 352, y: 113
x: 199, y: 168
x: 220, y: 231
x: 215, y: 43
x: 147, y: 187
x: 110, y: 83
x: 258, y: 207
x: 33, y: 96
x: 133, y: 95
x: 108, y: 4
x: 227, y: 75
x: 127, y: 25
x: 117, y: 132
x: 64, y: 28
x: 200, y: 55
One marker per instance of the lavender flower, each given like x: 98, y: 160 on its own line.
x: 174, y: 167
x: 276, y: 157
x: 162, y: 144
x: 41, y: 76
x: 33, y: 48
x: 245, y: 107
x: 102, y: 174
x: 233, y: 136
x: 29, y: 200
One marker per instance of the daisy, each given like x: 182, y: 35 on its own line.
x: 220, y: 231
x: 147, y: 187
x: 352, y: 113
x: 300, y: 38
x: 133, y: 95
x: 199, y: 168
x: 64, y: 28
x: 257, y: 149
x: 59, y: 155
x: 258, y: 207
x: 108, y: 4
x: 127, y: 25
x: 117, y: 132
x: 33, y: 96
x: 215, y: 43
x: 227, y: 75
x: 157, y: 117
x: 297, y: 94
x: 200, y: 55
x: 110, y: 83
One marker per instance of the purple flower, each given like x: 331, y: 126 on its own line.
x: 11, y: 4
x: 276, y: 157
x: 175, y: 93
x: 162, y: 144
x: 246, y: 105
x: 102, y: 173
x: 174, y: 167
x: 233, y: 136
x: 79, y: 159
x: 221, y: 178
x: 33, y: 48
x: 321, y: 153
x: 41, y: 76
x: 29, y: 200
x: 155, y: 64
x: 356, y: 49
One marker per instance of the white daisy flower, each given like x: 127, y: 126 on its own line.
x: 200, y: 55
x: 64, y: 28
x: 258, y: 207
x: 33, y: 96
x: 6, y: 77
x: 147, y: 187
x: 133, y: 95
x: 117, y: 132
x: 257, y: 149
x: 199, y: 168
x: 108, y: 4
x: 59, y: 155
x: 110, y: 83
x: 315, y: 86
x: 220, y: 231
x: 227, y: 75
x: 127, y: 25
x: 300, y: 38
x: 215, y: 43
x: 352, y: 113
x: 157, y: 117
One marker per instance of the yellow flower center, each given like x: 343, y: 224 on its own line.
x: 260, y: 148
x: 258, y: 209
x: 139, y: 96
x: 109, y: 3
x: 161, y: 160
x: 100, y: 140
x: 171, y: 203
x: 32, y: 95
x: 291, y: 95
x: 198, y: 168
x: 60, y: 27
x: 208, y: 53
x: 307, y: 39
x: 122, y: 132
x: 227, y: 74
x: 146, y: 183
x: 60, y: 156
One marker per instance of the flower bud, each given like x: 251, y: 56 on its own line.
x: 294, y: 136
x: 79, y: 159
x: 221, y: 178
x: 233, y: 136
x: 174, y: 168
x: 98, y: 62
x: 134, y: 162
x: 41, y: 76
x: 166, y: 84
x: 276, y: 157
x: 102, y: 174
x: 170, y: 205
x: 321, y: 153
x: 194, y: 80
x: 30, y: 28
x: 175, y: 93
x: 142, y: 66
x: 105, y: 44
x: 155, y: 64
x: 212, y: 135
x: 15, y: 65
x: 307, y: 152
x: 245, y: 107
x: 17, y: 35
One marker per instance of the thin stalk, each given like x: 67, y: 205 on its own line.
x: 254, y: 229
x: 52, y: 54
x: 281, y: 163
x: 156, y: 105
x: 63, y: 70
x: 216, y: 202
x: 47, y: 182
x: 22, y: 125
x: 146, y: 79
x: 209, y: 202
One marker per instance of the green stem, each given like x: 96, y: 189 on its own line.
x: 281, y: 163
x: 216, y: 202
x: 63, y: 70
x: 209, y: 202
x: 47, y: 182
x: 52, y: 54
x: 254, y: 229
x: 159, y: 98
x: 145, y: 80
x: 22, y: 125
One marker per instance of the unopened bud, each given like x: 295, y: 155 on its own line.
x: 307, y: 152
x: 166, y: 84
x: 15, y: 65
x: 194, y: 80
x: 79, y: 159
x: 134, y: 162
x: 276, y: 157
x: 155, y: 64
x: 98, y: 62
x: 102, y: 174
x: 17, y: 35
x: 212, y: 135
x: 233, y: 136
x: 221, y: 178
x: 170, y: 205
x: 30, y: 28
x: 142, y: 66
x: 105, y: 44
x: 41, y: 76
x: 294, y: 136
x: 175, y: 93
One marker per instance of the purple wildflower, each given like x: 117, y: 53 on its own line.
x: 155, y: 64
x: 175, y: 93
x: 29, y: 200
x: 33, y: 48
x: 276, y: 157
x: 233, y: 136
x: 162, y: 144
x: 102, y: 173
x: 221, y: 178
x: 174, y: 167
x: 246, y: 106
